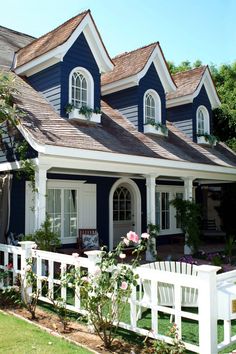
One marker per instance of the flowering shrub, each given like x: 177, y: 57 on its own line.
x: 104, y: 291
x: 176, y: 347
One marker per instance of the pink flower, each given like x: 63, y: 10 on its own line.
x: 145, y: 235
x: 126, y: 241
x: 122, y: 255
x: 9, y: 266
x: 124, y: 285
x: 132, y: 236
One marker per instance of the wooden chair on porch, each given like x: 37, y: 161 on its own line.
x: 88, y: 240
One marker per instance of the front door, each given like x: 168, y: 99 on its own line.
x: 123, y: 213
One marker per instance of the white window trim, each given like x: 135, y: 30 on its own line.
x: 172, y: 190
x: 79, y: 186
x: 206, y: 119
x: 157, y: 100
x: 90, y: 85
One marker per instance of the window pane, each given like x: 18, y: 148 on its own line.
x: 157, y: 200
x: 53, y: 208
x: 70, y: 213
x: 165, y: 211
x: 79, y: 92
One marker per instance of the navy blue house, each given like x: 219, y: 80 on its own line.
x: 113, y: 140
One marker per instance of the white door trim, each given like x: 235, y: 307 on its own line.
x: 137, y: 207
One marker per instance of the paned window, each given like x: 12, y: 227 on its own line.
x: 152, y: 107
x: 203, y: 126
x: 122, y: 204
x: 79, y: 90
x: 163, y: 210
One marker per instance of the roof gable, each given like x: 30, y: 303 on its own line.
x: 189, y: 84
x: 52, y: 47
x: 130, y: 67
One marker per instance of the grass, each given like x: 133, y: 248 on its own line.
x: 20, y: 337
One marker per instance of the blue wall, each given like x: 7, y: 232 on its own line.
x: 48, y: 82
x: 201, y: 99
x: 79, y: 55
x: 151, y: 81
x: 53, y: 82
x: 130, y: 101
x: 189, y: 111
x: 126, y: 101
x: 17, y: 217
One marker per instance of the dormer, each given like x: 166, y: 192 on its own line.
x: 65, y: 65
x: 137, y: 87
x: 190, y: 106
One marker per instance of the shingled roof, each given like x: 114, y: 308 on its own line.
x: 187, y: 82
x: 116, y: 134
x: 49, y: 40
x: 10, y: 42
x: 129, y: 63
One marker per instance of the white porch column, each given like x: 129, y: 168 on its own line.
x: 40, y: 195
x: 151, y: 214
x: 188, y: 195
x: 151, y: 189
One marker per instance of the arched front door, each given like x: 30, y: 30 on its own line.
x: 123, y: 213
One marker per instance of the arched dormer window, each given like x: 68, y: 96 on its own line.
x: 81, y: 88
x: 152, y: 107
x: 203, y: 124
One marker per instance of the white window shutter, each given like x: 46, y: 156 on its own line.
x: 88, y: 207
x: 29, y: 208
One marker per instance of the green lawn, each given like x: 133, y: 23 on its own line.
x: 20, y: 337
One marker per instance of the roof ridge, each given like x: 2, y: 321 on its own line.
x: 63, y: 24
x: 134, y: 50
x: 187, y: 71
x: 17, y: 32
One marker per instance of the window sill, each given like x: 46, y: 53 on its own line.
x: 202, y: 141
x: 95, y: 117
x: 151, y: 129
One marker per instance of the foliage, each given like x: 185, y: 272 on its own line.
x: 189, y: 216
x: 105, y: 290
x: 27, y: 166
x: 59, y: 305
x: 84, y: 110
x: 45, y: 238
x: 229, y: 247
x: 211, y: 139
x: 177, y: 346
x: 183, y: 66
x: 158, y: 125
x: 30, y: 292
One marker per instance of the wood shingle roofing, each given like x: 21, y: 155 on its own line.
x: 116, y: 134
x: 128, y: 64
x: 49, y: 40
x: 187, y: 82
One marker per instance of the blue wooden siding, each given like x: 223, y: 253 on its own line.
x: 181, y: 115
x: 151, y: 81
x: 130, y: 101
x: 126, y: 101
x: 53, y: 82
x: 202, y: 99
x: 17, y: 216
x: 79, y: 55
x: 48, y: 82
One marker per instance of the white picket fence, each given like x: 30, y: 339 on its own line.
x: 49, y: 267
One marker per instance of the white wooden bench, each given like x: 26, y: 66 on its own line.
x: 165, y: 291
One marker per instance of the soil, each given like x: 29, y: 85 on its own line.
x: 78, y: 333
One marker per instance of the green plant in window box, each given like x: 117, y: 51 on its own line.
x: 97, y: 110
x: 211, y: 139
x: 86, y: 111
x: 157, y: 125
x: 69, y: 108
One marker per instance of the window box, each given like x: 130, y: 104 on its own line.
x: 204, y: 140
x: 152, y: 129
x: 95, y: 117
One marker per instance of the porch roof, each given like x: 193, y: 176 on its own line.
x: 115, y: 134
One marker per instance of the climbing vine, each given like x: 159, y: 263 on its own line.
x: 9, y: 118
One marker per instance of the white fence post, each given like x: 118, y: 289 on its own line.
x: 27, y: 247
x: 207, y: 302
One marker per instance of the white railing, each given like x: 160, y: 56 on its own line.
x: 49, y: 267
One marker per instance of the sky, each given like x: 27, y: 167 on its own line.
x: 186, y: 29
